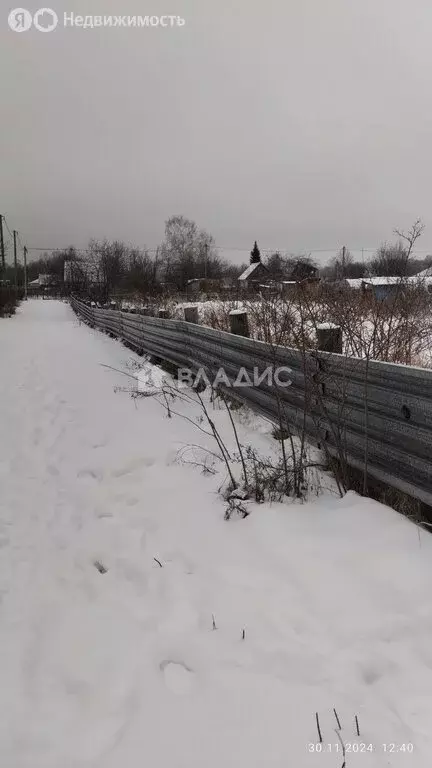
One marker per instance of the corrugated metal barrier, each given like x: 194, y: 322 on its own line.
x: 351, y: 407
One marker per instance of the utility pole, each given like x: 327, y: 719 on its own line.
x: 2, y: 248
x: 155, y: 266
x: 15, y: 233
x: 343, y: 261
x: 25, y: 272
x: 205, y: 259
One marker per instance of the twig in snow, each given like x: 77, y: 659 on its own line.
x: 158, y: 562
x: 357, y: 726
x: 337, y: 719
x: 117, y: 370
x: 318, y: 727
x: 343, y: 748
x: 214, y: 621
x: 187, y: 446
x: 206, y: 470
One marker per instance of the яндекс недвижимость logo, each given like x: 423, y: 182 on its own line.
x: 44, y: 20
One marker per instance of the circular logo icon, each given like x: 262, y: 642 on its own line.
x: 45, y: 20
x: 20, y: 20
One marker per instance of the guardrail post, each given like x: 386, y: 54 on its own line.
x: 191, y: 314
x: 329, y: 337
x: 163, y: 313
x: 239, y: 322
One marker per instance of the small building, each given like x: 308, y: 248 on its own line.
x: 355, y: 283
x: 304, y: 271
x: 46, y: 281
x: 203, y: 285
x: 288, y: 288
x: 422, y: 279
x: 384, y: 287
x: 269, y: 289
x: 424, y: 274
x: 381, y: 287
x: 228, y: 284
x: 253, y: 276
x: 168, y: 287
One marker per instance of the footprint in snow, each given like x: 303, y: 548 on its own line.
x: 179, y: 678
x: 133, y: 466
x: 93, y: 474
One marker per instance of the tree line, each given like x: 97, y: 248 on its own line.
x: 188, y: 252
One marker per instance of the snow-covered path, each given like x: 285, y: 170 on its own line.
x: 123, y: 669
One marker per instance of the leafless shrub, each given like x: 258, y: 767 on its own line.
x: 217, y: 314
x: 235, y: 506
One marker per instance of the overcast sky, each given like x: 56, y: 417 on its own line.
x: 304, y: 124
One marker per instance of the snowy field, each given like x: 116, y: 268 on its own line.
x: 123, y: 668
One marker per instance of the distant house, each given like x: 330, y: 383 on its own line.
x: 44, y: 281
x: 425, y: 273
x: 288, y: 287
x: 422, y: 279
x: 271, y: 288
x: 228, y: 284
x: 203, y: 285
x: 194, y: 286
x: 355, y: 283
x: 384, y: 287
x: 253, y: 276
x: 381, y: 287
x: 304, y: 271
x: 47, y: 280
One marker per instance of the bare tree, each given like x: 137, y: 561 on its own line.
x: 188, y: 252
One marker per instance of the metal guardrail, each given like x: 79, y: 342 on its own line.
x: 348, y: 405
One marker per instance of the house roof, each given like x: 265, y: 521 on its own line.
x: 251, y: 269
x: 424, y: 277
x: 421, y: 279
x: 424, y: 273
x: 384, y: 280
x: 355, y: 282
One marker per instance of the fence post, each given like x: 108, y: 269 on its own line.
x: 191, y: 314
x: 329, y: 338
x: 239, y: 322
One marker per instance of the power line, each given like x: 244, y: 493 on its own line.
x: 214, y: 247
x: 19, y: 240
x: 7, y: 227
x: 2, y: 248
x: 11, y: 233
x: 68, y: 248
x: 334, y: 250
x: 15, y: 258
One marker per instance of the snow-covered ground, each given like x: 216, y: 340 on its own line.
x: 123, y: 668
